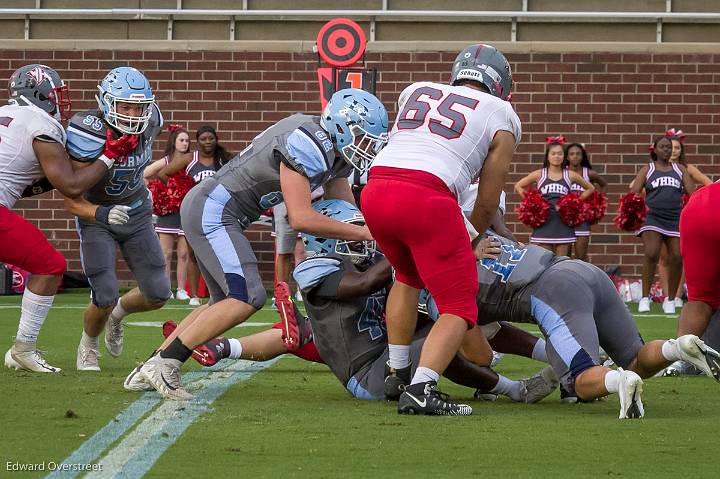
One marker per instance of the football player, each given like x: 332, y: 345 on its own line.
x: 528, y: 284
x: 32, y: 147
x: 284, y: 163
x: 117, y: 211
x: 445, y: 136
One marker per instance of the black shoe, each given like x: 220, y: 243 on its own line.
x: 423, y: 398
x: 395, y: 381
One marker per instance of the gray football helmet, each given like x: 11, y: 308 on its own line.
x: 484, y: 64
x: 41, y: 86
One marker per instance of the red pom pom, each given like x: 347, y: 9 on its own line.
x: 631, y: 212
x: 571, y: 209
x: 168, y: 197
x: 595, y: 207
x: 534, y: 209
x: 685, y: 199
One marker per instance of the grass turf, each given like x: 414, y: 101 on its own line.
x: 296, y: 420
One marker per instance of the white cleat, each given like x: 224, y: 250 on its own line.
x: 114, y: 337
x: 135, y: 382
x: 541, y: 385
x: 87, y: 359
x: 630, y: 393
x: 182, y: 295
x: 644, y: 306
x: 24, y: 356
x: 668, y: 306
x: 694, y: 350
x: 164, y: 375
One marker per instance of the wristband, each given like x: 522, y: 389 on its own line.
x: 108, y: 162
x: 102, y: 213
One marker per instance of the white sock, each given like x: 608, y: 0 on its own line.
x: 612, y: 381
x: 118, y: 312
x: 508, y: 387
x: 669, y: 350
x: 423, y: 375
x: 539, y: 353
x: 34, y: 310
x: 235, y: 348
x: 399, y: 355
x: 89, y: 341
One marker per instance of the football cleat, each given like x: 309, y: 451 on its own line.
x: 25, y: 356
x: 163, y: 374
x: 630, y: 393
x: 485, y: 396
x: 114, y: 336
x: 424, y: 398
x: 207, y: 354
x: 681, y: 368
x: 135, y: 382
x: 296, y: 329
x: 541, y: 385
x: 395, y: 381
x: 694, y: 351
x: 87, y: 358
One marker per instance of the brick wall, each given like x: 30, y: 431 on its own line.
x: 613, y: 102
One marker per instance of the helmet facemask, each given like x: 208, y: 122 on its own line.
x: 358, y: 251
x: 361, y: 152
x: 131, y: 125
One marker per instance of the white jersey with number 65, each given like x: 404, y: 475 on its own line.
x: 446, y: 131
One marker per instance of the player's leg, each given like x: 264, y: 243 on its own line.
x: 226, y: 254
x: 508, y: 339
x: 23, y: 245
x: 97, y: 255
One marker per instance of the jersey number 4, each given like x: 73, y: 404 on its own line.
x: 442, y: 119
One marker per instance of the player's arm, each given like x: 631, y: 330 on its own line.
x: 356, y: 284
x: 526, y: 181
x: 698, y: 176
x: 578, y: 179
x: 302, y: 217
x: 109, y: 215
x: 597, y: 180
x: 638, y: 183
x: 339, y: 189
x: 178, y: 162
x: 687, y: 180
x: 492, y: 180
x: 59, y: 170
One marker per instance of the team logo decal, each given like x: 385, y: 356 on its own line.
x: 39, y: 75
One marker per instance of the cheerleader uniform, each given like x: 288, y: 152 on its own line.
x: 170, y: 224
x: 583, y: 229
x: 553, y: 231
x: 664, y: 190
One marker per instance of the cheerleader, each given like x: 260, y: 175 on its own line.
x: 579, y: 163
x: 553, y: 181
x: 168, y: 226
x: 663, y: 183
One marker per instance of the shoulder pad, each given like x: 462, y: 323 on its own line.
x: 86, y: 135
x: 312, y: 271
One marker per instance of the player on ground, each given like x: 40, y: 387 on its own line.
x: 529, y: 285
x: 32, y: 146
x: 282, y: 164
x: 445, y: 137
x: 117, y: 211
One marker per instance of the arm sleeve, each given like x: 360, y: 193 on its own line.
x: 306, y: 154
x: 319, y: 276
x: 505, y: 119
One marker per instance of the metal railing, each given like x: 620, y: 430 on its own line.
x: 512, y: 16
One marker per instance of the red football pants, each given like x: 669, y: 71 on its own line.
x: 23, y: 245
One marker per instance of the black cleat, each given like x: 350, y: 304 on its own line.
x: 423, y: 398
x: 395, y: 381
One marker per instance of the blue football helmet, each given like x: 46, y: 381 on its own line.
x: 127, y: 85
x: 357, y: 123
x: 339, y: 210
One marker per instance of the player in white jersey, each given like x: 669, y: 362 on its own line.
x: 32, y: 146
x: 443, y: 137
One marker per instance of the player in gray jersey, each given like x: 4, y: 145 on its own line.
x: 117, y: 211
x: 578, y: 310
x: 283, y: 163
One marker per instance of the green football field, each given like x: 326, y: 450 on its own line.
x: 290, y: 418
